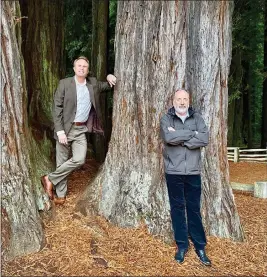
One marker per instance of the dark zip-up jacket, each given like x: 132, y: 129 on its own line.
x: 181, y: 152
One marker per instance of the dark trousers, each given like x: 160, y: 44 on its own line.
x: 184, y: 195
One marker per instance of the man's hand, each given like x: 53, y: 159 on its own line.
x: 171, y: 129
x: 111, y: 80
x: 62, y: 138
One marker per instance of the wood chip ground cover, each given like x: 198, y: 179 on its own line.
x: 90, y: 246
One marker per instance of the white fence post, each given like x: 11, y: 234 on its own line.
x: 236, y: 154
x: 260, y: 189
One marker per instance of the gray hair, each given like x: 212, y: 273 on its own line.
x: 181, y: 89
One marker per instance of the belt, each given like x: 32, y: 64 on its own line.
x: 79, y: 123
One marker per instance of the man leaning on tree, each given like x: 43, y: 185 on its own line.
x: 184, y: 132
x: 76, y: 111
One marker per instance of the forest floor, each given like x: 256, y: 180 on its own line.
x: 90, y: 246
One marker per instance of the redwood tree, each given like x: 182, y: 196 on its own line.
x: 43, y: 45
x: 21, y: 224
x: 98, y: 66
x: 162, y: 46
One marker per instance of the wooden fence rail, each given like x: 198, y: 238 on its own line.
x: 236, y: 154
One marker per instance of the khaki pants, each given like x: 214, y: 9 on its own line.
x: 78, y: 144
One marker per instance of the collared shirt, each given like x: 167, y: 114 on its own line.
x: 183, y: 117
x: 83, y: 102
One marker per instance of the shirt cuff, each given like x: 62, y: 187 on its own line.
x: 61, y: 132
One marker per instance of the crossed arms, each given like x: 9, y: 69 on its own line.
x: 190, y: 139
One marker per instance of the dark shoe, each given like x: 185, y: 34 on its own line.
x: 48, y: 186
x: 203, y: 257
x: 59, y: 200
x: 180, y: 254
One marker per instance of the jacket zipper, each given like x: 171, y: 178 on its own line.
x: 185, y: 159
x: 184, y: 147
x: 185, y: 151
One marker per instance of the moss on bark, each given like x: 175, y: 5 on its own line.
x: 43, y: 57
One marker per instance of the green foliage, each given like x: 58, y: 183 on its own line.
x: 78, y: 31
x: 234, y: 88
x: 111, y: 34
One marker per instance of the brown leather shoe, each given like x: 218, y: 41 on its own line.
x: 59, y: 200
x: 48, y: 186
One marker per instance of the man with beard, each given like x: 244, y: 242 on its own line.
x: 76, y: 111
x: 184, y: 132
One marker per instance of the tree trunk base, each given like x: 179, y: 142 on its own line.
x: 126, y: 199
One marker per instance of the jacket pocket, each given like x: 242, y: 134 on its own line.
x: 194, y: 159
x: 174, y: 160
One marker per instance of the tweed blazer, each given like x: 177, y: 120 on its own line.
x: 65, y: 105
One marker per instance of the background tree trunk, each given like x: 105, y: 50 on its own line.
x: 162, y: 46
x: 235, y: 136
x: 21, y: 223
x: 99, y: 41
x: 264, y: 102
x: 246, y: 79
x: 249, y: 106
x: 43, y: 53
x: 100, y: 11
x: 235, y: 123
x: 254, y: 64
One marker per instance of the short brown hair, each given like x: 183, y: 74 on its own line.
x: 81, y: 58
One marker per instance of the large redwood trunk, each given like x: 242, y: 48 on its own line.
x: 21, y: 224
x: 162, y: 46
x: 43, y: 45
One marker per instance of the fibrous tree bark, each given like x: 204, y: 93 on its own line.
x: 43, y: 54
x: 100, y: 11
x: 21, y: 223
x: 208, y: 63
x: 162, y: 46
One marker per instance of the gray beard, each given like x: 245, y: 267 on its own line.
x: 181, y: 110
